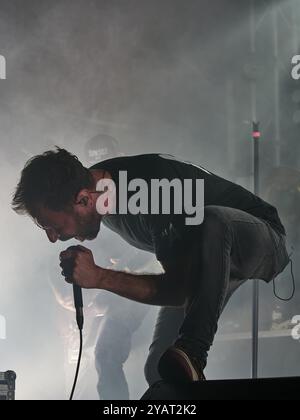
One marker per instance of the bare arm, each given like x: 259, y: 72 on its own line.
x: 167, y: 289
x: 151, y: 289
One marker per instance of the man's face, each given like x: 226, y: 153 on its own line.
x: 80, y: 223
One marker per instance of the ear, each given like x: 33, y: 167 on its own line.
x: 83, y: 198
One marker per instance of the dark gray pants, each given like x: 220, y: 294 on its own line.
x: 233, y: 246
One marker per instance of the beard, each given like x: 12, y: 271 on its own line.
x: 88, y: 226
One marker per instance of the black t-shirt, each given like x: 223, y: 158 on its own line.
x: 168, y: 235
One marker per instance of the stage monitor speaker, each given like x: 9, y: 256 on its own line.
x: 7, y: 385
x: 244, y: 389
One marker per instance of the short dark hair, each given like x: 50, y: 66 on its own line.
x: 52, y: 179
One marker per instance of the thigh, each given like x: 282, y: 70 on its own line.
x: 254, y: 253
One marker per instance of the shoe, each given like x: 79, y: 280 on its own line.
x: 178, y: 365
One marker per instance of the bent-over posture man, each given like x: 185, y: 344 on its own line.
x: 240, y: 238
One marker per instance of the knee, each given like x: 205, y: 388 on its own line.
x: 103, y: 357
x: 113, y: 355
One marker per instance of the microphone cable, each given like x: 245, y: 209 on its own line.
x: 78, y: 365
x: 78, y: 303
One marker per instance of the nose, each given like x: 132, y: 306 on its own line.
x: 52, y: 235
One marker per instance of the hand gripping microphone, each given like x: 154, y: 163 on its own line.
x: 77, y: 292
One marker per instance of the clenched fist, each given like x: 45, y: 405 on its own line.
x: 78, y: 266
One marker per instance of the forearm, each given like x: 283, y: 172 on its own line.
x: 150, y: 289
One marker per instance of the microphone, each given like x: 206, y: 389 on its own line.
x: 77, y: 292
